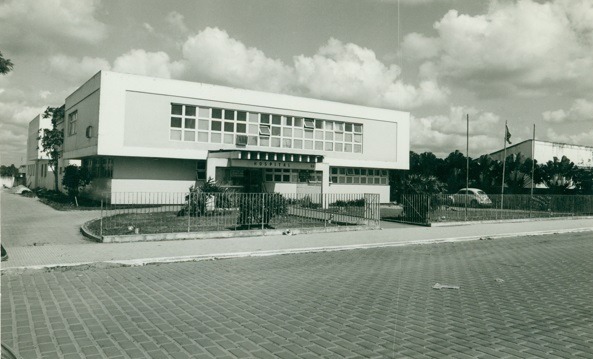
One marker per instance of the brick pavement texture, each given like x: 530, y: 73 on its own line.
x: 373, y: 303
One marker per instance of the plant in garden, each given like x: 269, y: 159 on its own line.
x: 259, y: 209
x: 198, y: 198
x: 558, y: 174
x: 75, y: 179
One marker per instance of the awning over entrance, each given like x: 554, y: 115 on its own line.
x: 266, y: 156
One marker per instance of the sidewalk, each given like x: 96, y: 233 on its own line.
x: 139, y: 253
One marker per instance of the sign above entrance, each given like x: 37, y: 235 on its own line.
x: 272, y: 164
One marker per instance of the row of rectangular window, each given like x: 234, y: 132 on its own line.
x: 264, y: 141
x: 263, y: 118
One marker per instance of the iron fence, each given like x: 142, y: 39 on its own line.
x: 150, y: 213
x: 426, y: 209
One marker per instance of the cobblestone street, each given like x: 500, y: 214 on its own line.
x: 521, y: 297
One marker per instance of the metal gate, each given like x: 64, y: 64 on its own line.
x: 416, y: 209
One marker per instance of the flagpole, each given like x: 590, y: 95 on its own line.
x: 504, y: 162
x: 466, y: 164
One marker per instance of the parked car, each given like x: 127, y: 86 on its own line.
x: 475, y: 198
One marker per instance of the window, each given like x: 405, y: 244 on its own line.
x: 264, y: 130
x: 309, y: 123
x: 217, y: 113
x: 343, y: 175
x: 72, y: 122
x: 190, y: 111
x: 241, y: 140
x: 201, y: 170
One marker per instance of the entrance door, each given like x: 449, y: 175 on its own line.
x: 253, y: 180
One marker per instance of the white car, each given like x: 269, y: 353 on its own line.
x: 475, y: 198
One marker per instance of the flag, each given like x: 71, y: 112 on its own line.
x: 507, y: 135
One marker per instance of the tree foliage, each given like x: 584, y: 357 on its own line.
x: 53, y: 139
x: 75, y: 178
x: 558, y: 174
x: 5, y: 65
x: 9, y: 171
x: 199, y: 197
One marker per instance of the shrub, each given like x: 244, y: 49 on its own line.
x: 197, y: 200
x: 257, y: 210
x: 75, y: 178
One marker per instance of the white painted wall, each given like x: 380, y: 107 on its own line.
x: 7, y: 181
x: 582, y: 156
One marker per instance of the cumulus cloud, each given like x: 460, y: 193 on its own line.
x: 75, y: 70
x: 580, y: 111
x: 515, y: 46
x: 442, y: 134
x: 14, y: 117
x: 32, y: 24
x: 176, y: 21
x: 337, y: 71
x: 141, y: 62
x: 582, y: 138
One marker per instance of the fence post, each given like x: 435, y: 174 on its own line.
x: 101, y: 220
x: 189, y: 208
x: 263, y: 204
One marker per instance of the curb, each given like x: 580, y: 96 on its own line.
x: 219, y: 256
x: 519, y: 220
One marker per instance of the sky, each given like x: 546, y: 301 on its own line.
x: 523, y: 62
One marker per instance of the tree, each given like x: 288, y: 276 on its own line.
x: 559, y: 175
x: 53, y: 139
x: 453, y: 172
x: 583, y: 180
x: 5, y: 65
x: 75, y: 178
x: 9, y: 171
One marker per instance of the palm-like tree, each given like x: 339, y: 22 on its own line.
x: 559, y: 175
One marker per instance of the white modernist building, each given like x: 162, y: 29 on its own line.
x: 544, y: 151
x: 39, y: 173
x: 143, y: 134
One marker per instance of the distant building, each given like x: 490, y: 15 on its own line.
x: 38, y: 172
x: 142, y: 134
x: 543, y: 151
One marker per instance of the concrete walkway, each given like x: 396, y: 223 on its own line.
x: 25, y: 221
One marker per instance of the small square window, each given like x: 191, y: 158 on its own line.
x: 176, y: 109
x: 287, y: 132
x: 298, y: 122
x: 348, y: 127
x: 176, y: 122
x: 339, y: 137
x: 358, y: 138
x: 264, y: 130
x: 275, y: 142
x: 229, y: 127
x: 357, y: 128
x: 319, y: 135
x: 190, y: 111
x: 329, y: 136
x: 334, y: 171
x: 190, y: 123
x: 241, y: 116
x: 339, y: 127
x: 189, y: 136
x: 253, y: 129
x: 216, y: 138
x: 277, y: 177
x: 276, y: 120
x: 203, y: 124
x: 329, y: 125
x: 265, y: 118
x: 253, y: 117
x: 319, y: 124
x: 342, y: 170
x: 309, y: 134
x: 319, y: 145
x: 363, y: 180
x: 347, y: 147
x: 216, y: 125
x: 175, y: 135
x: 298, y: 133
x: 298, y: 144
x: 334, y: 179
x: 276, y: 131
x: 309, y: 123
x: 287, y: 143
x: 241, y: 128
x: 288, y: 121
x: 285, y: 178
x: 204, y: 112
x: 308, y: 145
x: 229, y: 138
x: 216, y: 113
x: 252, y: 140
x: 229, y: 114
x: 357, y: 149
x: 202, y: 136
x: 348, y: 137
x: 329, y: 146
x: 348, y: 179
x: 264, y: 141
x: 356, y: 179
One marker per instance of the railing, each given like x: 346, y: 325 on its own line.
x: 426, y: 209
x: 150, y: 213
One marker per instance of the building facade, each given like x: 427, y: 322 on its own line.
x: 38, y: 172
x: 544, y: 151
x: 142, y: 134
